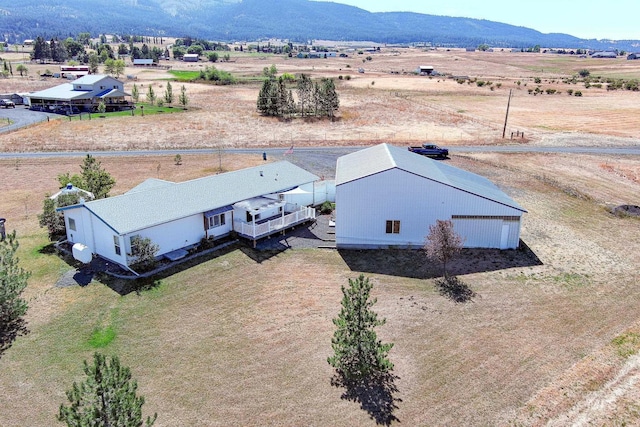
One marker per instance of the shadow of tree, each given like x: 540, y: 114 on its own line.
x: 455, y: 289
x: 412, y: 263
x: 9, y: 331
x: 375, y: 394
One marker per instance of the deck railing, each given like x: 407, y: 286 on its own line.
x: 255, y: 230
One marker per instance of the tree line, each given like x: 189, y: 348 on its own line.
x: 314, y: 98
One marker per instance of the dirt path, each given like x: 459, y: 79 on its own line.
x: 599, y: 407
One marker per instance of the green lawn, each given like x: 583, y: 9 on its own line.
x: 140, y: 110
x: 185, y: 76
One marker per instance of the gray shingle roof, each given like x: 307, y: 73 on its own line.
x: 384, y: 157
x: 157, y: 202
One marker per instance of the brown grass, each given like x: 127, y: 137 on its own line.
x: 376, y: 106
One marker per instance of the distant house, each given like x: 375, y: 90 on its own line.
x: 83, y: 94
x: 314, y: 54
x: 254, y: 203
x: 191, y: 57
x: 28, y: 42
x: 74, y: 71
x: 143, y: 62
x: 604, y: 54
x: 387, y: 196
x: 425, y: 70
x: 633, y: 56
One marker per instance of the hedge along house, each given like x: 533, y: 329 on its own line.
x: 254, y: 202
x: 83, y: 94
x: 388, y: 197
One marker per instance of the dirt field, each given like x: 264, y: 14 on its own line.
x: 242, y: 339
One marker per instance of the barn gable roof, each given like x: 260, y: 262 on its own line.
x: 156, y: 202
x: 384, y: 157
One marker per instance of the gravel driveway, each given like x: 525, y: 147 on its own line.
x: 21, y: 116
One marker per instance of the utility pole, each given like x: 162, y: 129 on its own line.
x: 504, y: 130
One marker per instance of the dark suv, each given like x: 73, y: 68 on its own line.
x: 6, y: 103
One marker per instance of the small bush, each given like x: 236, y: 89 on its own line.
x: 537, y: 80
x: 480, y: 83
x: 326, y: 208
x: 570, y: 92
x: 584, y: 73
x: 550, y: 91
x: 577, y: 93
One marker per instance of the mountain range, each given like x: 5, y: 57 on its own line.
x: 248, y: 20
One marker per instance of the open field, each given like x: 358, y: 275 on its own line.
x: 242, y: 338
x: 376, y: 106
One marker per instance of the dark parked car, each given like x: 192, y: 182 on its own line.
x: 6, y: 103
x: 431, y: 150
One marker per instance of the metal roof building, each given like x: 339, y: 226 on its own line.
x: 83, y: 94
x: 387, y: 196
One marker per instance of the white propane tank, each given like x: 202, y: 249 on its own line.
x: 82, y: 253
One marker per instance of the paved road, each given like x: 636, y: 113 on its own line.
x: 322, y: 160
x: 21, y: 116
x: 629, y: 150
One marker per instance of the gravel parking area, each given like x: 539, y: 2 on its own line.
x: 21, y: 116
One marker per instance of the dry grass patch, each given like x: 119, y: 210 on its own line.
x: 243, y: 338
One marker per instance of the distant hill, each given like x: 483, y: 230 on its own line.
x: 297, y: 20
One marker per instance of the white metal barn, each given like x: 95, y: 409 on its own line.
x: 388, y: 197
x: 254, y: 202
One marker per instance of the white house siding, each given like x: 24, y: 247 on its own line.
x: 172, y: 235
x: 221, y: 230
x: 488, y: 232
x: 103, y: 242
x: 364, y: 205
x: 83, y: 232
x: 324, y: 191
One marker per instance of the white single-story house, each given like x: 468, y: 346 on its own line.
x: 387, y: 196
x: 254, y: 203
x: 83, y: 94
x: 191, y: 57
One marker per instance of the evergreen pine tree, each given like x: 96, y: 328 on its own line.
x: 13, y: 281
x: 95, y: 178
x: 168, y: 94
x: 305, y: 92
x: 330, y: 101
x: 106, y: 398
x: 264, y: 98
x: 357, y: 351
x: 135, y: 93
x: 183, y: 98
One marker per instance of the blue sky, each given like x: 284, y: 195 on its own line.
x: 611, y: 19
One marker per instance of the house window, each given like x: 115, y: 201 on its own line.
x: 133, y: 240
x: 393, y: 227
x: 72, y: 224
x: 217, y: 220
x: 116, y: 244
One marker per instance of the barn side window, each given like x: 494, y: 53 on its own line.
x: 72, y: 224
x: 393, y: 227
x: 116, y: 244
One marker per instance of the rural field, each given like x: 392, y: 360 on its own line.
x: 241, y: 338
